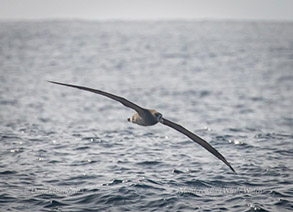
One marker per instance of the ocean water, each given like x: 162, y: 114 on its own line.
x: 64, y: 149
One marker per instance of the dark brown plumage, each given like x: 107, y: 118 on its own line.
x: 148, y: 117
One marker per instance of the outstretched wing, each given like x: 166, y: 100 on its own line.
x: 197, y: 139
x: 122, y: 100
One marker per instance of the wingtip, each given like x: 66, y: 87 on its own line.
x: 232, y: 169
x: 57, y: 83
x: 52, y: 82
x: 229, y: 165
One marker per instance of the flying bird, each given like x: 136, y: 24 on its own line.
x: 148, y: 117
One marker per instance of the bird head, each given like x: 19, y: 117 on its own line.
x: 158, y: 116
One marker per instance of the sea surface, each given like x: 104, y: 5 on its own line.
x: 63, y: 149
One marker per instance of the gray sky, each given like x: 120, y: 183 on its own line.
x: 148, y: 9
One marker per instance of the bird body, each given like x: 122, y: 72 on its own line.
x: 149, y: 117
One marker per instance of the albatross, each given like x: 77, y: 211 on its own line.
x: 149, y: 117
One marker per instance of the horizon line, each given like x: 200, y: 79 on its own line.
x: 207, y: 19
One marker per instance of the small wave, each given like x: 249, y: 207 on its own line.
x: 114, y: 182
x: 273, y: 135
x: 161, y: 202
x: 45, y: 194
x: 188, y: 193
x: 54, y: 203
x: 176, y: 171
x: 9, y: 102
x: 88, y: 198
x: 223, y: 137
x: 288, y: 152
x: 5, y: 198
x: 146, y: 186
x: 253, y: 208
x: 285, y: 204
x: 279, y: 194
x: 92, y: 139
x: 149, y: 163
x: 196, y: 183
x: 82, y: 148
x: 153, y: 181
x: 8, y: 172
x: 235, y: 129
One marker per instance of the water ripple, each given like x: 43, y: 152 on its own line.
x: 67, y: 150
